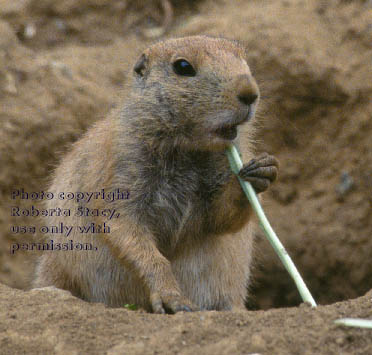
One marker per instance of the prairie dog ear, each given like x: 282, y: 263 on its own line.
x: 141, y: 66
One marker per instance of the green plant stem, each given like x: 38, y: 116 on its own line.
x: 236, y: 164
x: 355, y: 322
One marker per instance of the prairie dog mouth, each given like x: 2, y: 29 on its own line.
x: 228, y: 132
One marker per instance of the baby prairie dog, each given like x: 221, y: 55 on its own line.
x: 183, y: 237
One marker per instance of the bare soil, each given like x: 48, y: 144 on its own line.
x: 63, y: 65
x: 53, y: 322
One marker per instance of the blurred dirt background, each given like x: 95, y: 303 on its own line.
x: 63, y: 65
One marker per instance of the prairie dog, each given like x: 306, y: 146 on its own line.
x: 183, y: 239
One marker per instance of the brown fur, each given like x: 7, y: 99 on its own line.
x: 183, y: 239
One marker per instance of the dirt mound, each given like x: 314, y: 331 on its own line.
x: 63, y: 65
x: 53, y: 322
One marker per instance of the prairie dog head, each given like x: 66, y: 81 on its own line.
x: 198, y: 89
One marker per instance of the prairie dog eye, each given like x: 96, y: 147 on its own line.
x: 183, y: 67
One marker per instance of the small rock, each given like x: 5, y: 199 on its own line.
x: 29, y: 31
x: 346, y: 185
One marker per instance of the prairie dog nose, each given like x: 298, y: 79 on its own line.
x: 247, y: 90
x: 247, y: 98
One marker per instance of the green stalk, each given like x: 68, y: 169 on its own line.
x: 355, y: 322
x: 236, y: 164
